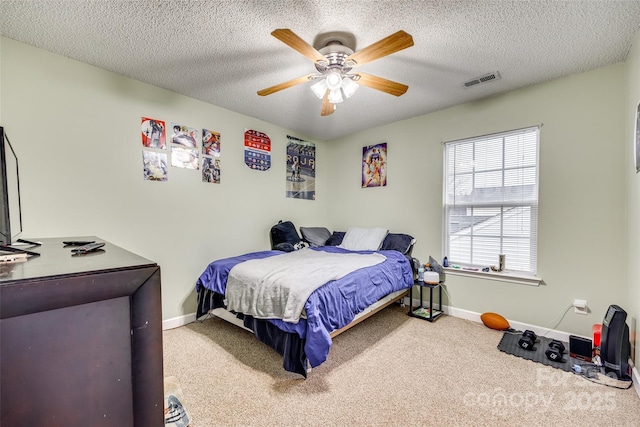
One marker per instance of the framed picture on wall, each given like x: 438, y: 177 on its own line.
x: 636, y: 139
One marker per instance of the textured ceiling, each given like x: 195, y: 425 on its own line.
x: 222, y: 52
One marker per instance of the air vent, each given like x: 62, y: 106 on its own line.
x: 483, y: 79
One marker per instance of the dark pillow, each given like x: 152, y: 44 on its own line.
x: 285, y: 247
x: 397, y: 242
x: 284, y: 232
x: 335, y: 239
x: 316, y: 236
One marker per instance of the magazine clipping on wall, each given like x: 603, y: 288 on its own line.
x: 185, y: 158
x: 153, y: 133
x: 154, y: 139
x: 154, y: 165
x: 184, y: 135
x: 210, y: 156
x: 211, y: 170
x: 257, y: 150
x: 374, y: 165
x: 210, y: 143
x: 301, y: 169
x: 184, y: 152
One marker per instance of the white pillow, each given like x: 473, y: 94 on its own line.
x: 363, y: 239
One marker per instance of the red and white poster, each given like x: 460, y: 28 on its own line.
x: 257, y: 150
x: 154, y: 133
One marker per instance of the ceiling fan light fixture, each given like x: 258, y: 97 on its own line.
x: 349, y: 87
x: 335, y: 96
x: 320, y: 88
x: 334, y: 80
x: 334, y: 63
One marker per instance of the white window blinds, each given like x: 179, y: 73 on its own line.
x: 491, y: 200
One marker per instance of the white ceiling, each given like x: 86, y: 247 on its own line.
x: 222, y: 52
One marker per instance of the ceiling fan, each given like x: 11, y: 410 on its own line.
x: 335, y: 62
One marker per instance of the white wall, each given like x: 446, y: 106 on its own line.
x: 632, y: 305
x: 76, y: 130
x: 582, y: 228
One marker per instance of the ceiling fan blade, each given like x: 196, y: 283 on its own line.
x: 327, y: 107
x: 388, y: 45
x: 285, y: 85
x: 292, y: 40
x: 384, y: 85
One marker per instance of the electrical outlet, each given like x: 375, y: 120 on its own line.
x: 580, y: 306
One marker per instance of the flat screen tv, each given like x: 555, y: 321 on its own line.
x: 10, y: 208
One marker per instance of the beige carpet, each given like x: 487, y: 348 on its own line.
x: 391, y: 370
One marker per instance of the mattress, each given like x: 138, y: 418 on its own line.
x: 329, y: 308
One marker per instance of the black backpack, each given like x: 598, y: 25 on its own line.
x: 284, y: 236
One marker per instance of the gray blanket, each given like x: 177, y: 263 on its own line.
x: 278, y: 287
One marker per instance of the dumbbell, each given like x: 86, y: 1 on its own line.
x: 528, y: 340
x: 555, y: 351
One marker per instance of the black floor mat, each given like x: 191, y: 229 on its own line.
x: 509, y: 344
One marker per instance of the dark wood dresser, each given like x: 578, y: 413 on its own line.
x: 81, y: 339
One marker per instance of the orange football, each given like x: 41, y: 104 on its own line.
x: 495, y: 321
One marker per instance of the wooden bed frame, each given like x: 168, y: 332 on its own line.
x: 384, y: 302
x: 373, y: 309
x: 367, y: 312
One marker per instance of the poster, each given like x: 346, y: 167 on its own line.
x: 186, y: 158
x: 153, y: 133
x: 257, y: 150
x: 154, y: 165
x: 210, y: 143
x: 301, y: 169
x: 211, y: 170
x: 374, y: 165
x: 184, y: 135
x: 211, y: 156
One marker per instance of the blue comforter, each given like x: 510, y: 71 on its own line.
x: 331, y: 306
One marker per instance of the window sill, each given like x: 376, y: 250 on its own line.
x: 505, y: 276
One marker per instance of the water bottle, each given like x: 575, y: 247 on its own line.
x: 445, y: 262
x: 421, y: 274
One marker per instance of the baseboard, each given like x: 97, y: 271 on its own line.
x: 635, y: 377
x: 178, y: 321
x: 544, y: 332
x: 475, y: 317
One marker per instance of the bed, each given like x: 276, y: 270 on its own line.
x: 317, y: 292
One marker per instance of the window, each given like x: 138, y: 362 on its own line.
x: 491, y: 200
